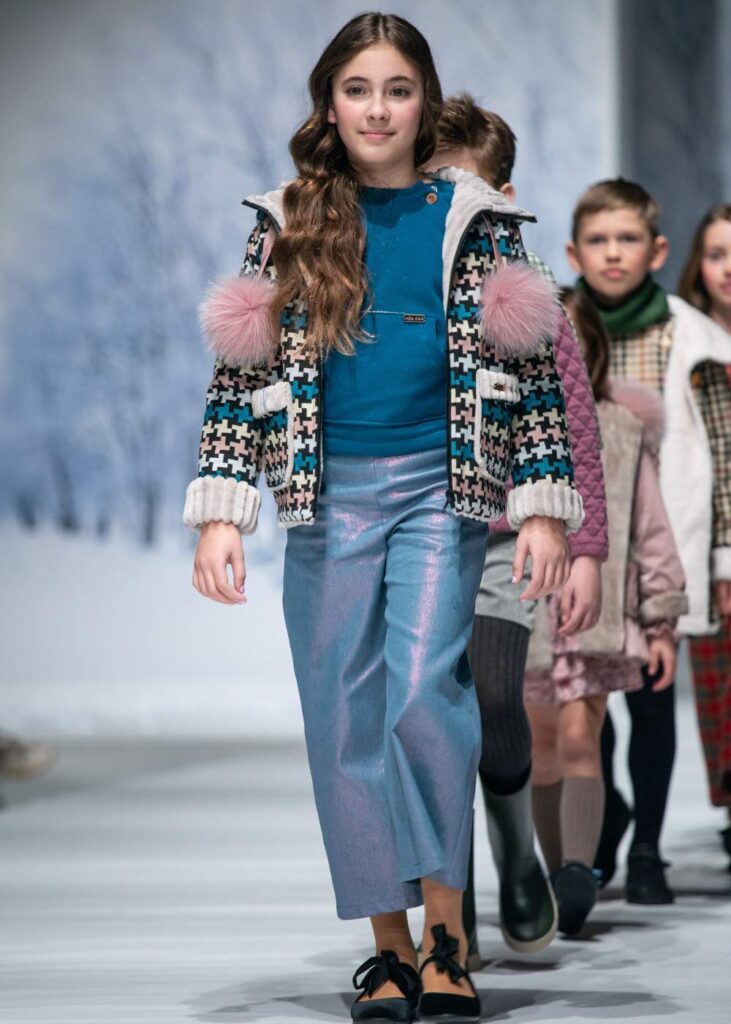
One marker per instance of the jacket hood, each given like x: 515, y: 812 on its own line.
x: 469, y: 187
x: 644, y: 404
x: 469, y: 191
x: 472, y: 196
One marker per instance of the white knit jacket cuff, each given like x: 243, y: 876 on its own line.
x: 221, y: 498
x: 721, y: 564
x: 545, y: 498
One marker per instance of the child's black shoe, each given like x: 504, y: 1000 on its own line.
x: 380, y: 969
x: 646, y: 882
x: 576, y: 887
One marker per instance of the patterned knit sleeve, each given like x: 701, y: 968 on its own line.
x: 712, y: 391
x: 232, y: 437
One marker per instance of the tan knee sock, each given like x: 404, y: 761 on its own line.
x: 582, y: 812
x: 547, y: 818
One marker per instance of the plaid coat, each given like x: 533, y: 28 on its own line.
x: 505, y: 412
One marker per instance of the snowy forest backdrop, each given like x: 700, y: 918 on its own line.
x: 131, y: 130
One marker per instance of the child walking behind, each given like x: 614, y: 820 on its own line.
x: 569, y: 678
x: 479, y: 141
x: 662, y: 342
x: 706, y: 284
x: 409, y: 367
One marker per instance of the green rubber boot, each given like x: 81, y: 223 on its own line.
x: 528, y: 912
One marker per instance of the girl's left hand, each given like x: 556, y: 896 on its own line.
x: 543, y: 539
x: 662, y: 653
x: 581, y: 598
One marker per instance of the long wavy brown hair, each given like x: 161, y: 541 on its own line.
x: 592, y: 335
x: 319, y: 254
x: 691, y: 286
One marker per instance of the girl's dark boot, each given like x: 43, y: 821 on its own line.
x: 528, y: 913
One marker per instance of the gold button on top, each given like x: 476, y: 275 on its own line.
x: 431, y: 198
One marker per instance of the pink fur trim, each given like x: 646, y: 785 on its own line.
x: 644, y: 403
x: 236, y: 318
x: 519, y: 310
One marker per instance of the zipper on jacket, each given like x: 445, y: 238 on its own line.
x: 319, y: 441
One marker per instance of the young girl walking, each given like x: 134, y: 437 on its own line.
x: 385, y: 362
x: 706, y: 284
x: 570, y: 676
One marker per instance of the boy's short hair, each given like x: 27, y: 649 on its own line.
x: 613, y: 194
x: 463, y: 123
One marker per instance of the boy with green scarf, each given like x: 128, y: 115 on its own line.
x: 662, y: 342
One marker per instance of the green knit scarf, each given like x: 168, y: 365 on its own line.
x: 645, y: 306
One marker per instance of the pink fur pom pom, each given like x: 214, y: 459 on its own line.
x: 644, y: 403
x: 519, y: 310
x: 236, y: 318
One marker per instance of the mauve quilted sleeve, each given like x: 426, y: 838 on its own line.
x: 591, y: 538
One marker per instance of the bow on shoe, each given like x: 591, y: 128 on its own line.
x: 444, y: 949
x: 381, y: 969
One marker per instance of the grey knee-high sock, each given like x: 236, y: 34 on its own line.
x: 547, y: 818
x: 582, y: 812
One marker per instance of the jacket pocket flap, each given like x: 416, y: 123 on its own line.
x: 271, y: 399
x: 500, y: 386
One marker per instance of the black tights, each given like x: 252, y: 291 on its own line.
x: 498, y: 651
x: 650, y: 758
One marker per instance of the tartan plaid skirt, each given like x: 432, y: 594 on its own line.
x: 711, y: 660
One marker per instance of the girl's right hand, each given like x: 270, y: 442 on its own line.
x: 219, y: 545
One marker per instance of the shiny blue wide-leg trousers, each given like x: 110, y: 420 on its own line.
x: 379, y: 600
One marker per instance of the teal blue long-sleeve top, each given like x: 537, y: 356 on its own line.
x: 390, y: 397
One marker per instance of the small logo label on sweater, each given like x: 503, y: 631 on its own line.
x: 414, y: 318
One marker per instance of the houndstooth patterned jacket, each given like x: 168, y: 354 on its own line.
x: 505, y: 405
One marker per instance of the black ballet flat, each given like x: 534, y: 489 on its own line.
x: 448, y: 1007
x: 383, y: 968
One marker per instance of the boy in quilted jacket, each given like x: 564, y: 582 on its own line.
x: 663, y: 342
x: 481, y: 142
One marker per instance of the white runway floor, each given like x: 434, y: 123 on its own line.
x: 154, y: 883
